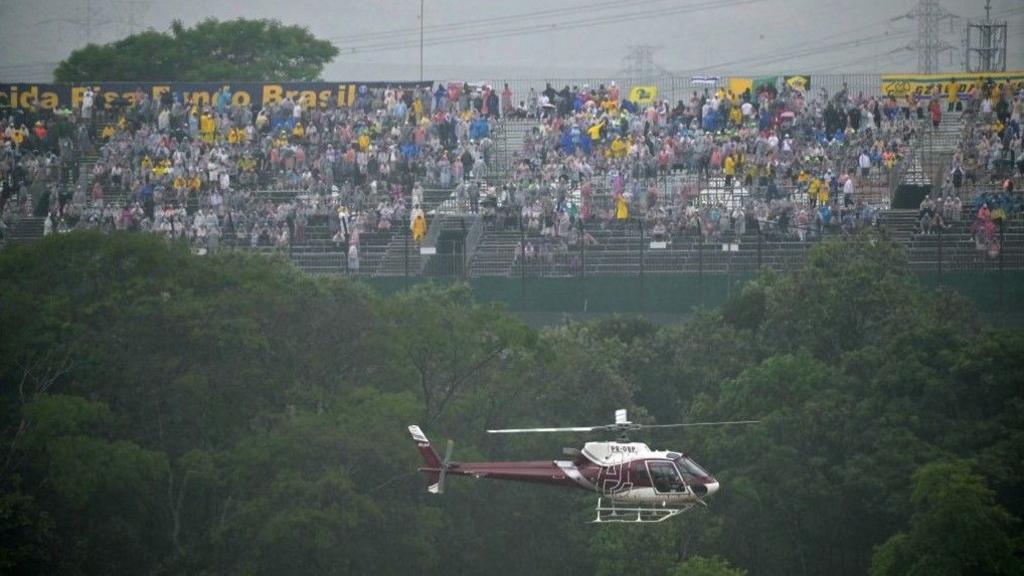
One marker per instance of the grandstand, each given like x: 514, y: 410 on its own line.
x: 533, y: 196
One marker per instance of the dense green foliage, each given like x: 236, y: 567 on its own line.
x: 210, y: 51
x: 170, y: 414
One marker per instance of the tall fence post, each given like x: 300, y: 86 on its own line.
x: 760, y: 248
x: 583, y: 262
x: 641, y: 220
x: 522, y: 259
x: 942, y: 229
x: 465, y: 252
x: 1002, y: 248
x: 405, y: 235
x: 700, y: 260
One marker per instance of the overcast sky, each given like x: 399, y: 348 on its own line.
x: 573, y: 38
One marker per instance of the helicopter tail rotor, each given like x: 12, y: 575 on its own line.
x: 444, y: 469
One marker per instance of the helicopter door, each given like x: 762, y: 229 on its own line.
x: 665, y: 477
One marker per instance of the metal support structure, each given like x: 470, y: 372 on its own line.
x: 406, y: 235
x: 929, y: 43
x: 985, y: 44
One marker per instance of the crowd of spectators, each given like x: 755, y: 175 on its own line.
x: 988, y: 160
x: 990, y: 152
x: 788, y: 163
x: 793, y: 164
x: 186, y: 170
x: 36, y: 146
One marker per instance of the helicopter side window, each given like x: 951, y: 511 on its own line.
x: 665, y: 477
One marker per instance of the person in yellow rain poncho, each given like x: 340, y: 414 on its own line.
x: 621, y: 208
x: 618, y: 148
x: 207, y: 126
x: 812, y: 191
x: 162, y: 167
x: 418, y: 225
x: 595, y: 131
x: 952, y: 95
x: 299, y: 132
x: 180, y: 184
x: 147, y: 164
x: 822, y: 192
x: 735, y: 115
x: 364, y: 141
x: 729, y: 168
x: 195, y: 184
x: 108, y: 132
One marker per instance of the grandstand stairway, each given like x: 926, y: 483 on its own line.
x: 938, y: 146
x: 509, y: 142
x: 400, y: 255
x: 495, y: 253
x: 112, y: 196
x: 316, y: 253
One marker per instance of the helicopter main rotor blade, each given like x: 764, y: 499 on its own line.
x: 525, y: 430
x: 688, y: 424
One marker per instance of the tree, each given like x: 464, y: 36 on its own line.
x: 957, y: 528
x: 211, y: 51
x: 173, y: 414
x: 701, y: 566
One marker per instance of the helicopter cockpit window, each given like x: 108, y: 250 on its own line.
x: 690, y: 469
x: 665, y: 477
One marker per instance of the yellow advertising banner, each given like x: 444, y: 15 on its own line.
x: 900, y: 85
x: 114, y: 94
x: 800, y: 82
x: 643, y: 95
x: 740, y: 85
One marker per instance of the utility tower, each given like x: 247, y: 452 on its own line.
x: 929, y: 44
x: 100, y: 19
x: 638, y: 62
x: 985, y: 46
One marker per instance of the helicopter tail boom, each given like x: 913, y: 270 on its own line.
x: 434, y: 466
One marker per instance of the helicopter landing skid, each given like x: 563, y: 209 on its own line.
x: 613, y: 512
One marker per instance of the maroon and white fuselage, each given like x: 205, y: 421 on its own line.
x: 620, y: 471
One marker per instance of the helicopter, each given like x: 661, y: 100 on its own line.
x: 634, y: 483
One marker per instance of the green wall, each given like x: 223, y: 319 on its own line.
x: 671, y: 297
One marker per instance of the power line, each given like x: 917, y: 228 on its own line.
x: 492, y: 20
x: 812, y: 47
x: 538, y: 29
